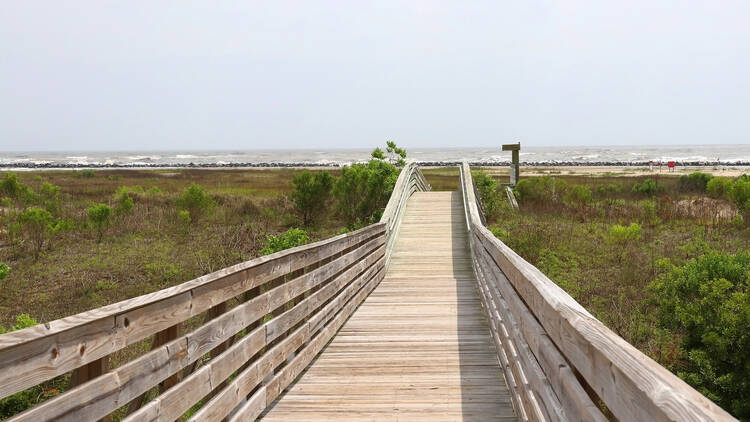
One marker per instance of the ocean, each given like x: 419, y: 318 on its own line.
x: 738, y: 155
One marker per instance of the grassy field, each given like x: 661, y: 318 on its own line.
x: 149, y: 248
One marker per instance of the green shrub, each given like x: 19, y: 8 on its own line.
x: 99, y: 216
x: 22, y: 321
x: 4, y: 270
x: 12, y: 188
x: 540, y: 189
x: 124, y: 199
x: 500, y: 233
x: 707, y: 301
x: 184, y: 217
x: 51, y: 196
x: 740, y: 194
x: 647, y: 187
x: 87, y: 173
x: 195, y: 200
x: 621, y: 234
x: 489, y: 193
x: 286, y: 240
x: 38, y: 226
x: 311, y: 194
x: 578, y: 197
x: 378, y: 154
x: 718, y: 187
x: 694, y: 182
x: 362, y: 191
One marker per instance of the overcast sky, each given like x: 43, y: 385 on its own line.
x: 80, y: 75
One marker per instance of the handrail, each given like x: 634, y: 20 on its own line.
x: 264, y: 320
x: 410, y: 180
x: 546, y: 340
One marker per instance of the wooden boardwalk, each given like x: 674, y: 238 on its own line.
x: 419, y: 347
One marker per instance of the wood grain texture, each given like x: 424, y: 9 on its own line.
x: 633, y: 386
x: 37, y: 354
x: 419, y: 347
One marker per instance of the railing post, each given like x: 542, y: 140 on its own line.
x: 88, y: 372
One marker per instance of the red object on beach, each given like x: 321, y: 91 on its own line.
x: 670, y: 164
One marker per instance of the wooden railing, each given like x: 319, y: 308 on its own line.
x: 561, y: 363
x: 231, y: 340
x: 410, y: 180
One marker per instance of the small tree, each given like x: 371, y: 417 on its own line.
x: 99, y: 216
x: 363, y: 190
x: 311, y: 193
x: 4, y: 270
x: 396, y: 155
x: 196, y: 201
x: 37, y: 225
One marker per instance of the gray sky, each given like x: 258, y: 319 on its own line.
x: 79, y: 75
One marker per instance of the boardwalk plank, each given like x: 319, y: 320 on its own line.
x: 418, y: 348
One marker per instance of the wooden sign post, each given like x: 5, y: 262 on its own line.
x: 515, y: 169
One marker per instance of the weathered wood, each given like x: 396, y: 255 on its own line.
x: 176, y: 401
x: 88, y: 372
x: 410, y: 180
x: 160, y: 338
x: 538, y: 381
x: 226, y: 400
x: 142, y: 373
x: 36, y: 354
x: 618, y: 373
x: 418, y: 347
x: 576, y: 402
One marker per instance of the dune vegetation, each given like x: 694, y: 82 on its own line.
x: 663, y: 261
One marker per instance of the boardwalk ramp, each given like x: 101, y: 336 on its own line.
x: 419, y: 347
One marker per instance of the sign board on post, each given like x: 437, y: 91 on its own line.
x: 515, y: 171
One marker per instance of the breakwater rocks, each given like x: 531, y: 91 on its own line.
x: 57, y: 165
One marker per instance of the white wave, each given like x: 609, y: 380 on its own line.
x: 585, y: 157
x: 77, y: 157
x: 182, y: 156
x: 144, y: 157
